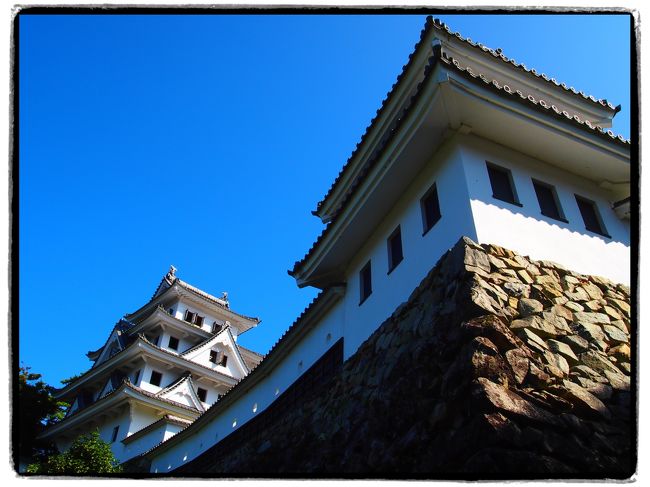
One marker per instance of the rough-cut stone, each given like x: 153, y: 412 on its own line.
x: 621, y: 352
x: 532, y: 340
x: 597, y: 362
x: 592, y: 290
x: 558, y: 361
x: 518, y: 362
x: 617, y: 380
x: 621, y: 325
x: 615, y: 334
x: 538, y: 325
x: 584, y: 400
x: 574, y: 306
x: 557, y: 320
x: 577, y: 343
x: 477, y: 258
x: 562, y: 349
x: 525, y: 276
x: 590, y: 332
x: 507, y: 400
x: 590, y: 318
x: 516, y: 289
x: 612, y: 313
x: 527, y: 307
x: 621, y: 305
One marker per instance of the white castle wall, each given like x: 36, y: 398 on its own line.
x: 524, y: 229
x: 259, y: 397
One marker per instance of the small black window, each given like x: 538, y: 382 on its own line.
x: 202, y: 393
x: 365, y: 282
x: 173, y: 343
x: 590, y: 215
x: 156, y: 378
x: 502, y: 187
x: 224, y: 359
x: 216, y: 327
x: 116, y: 430
x: 171, y: 311
x: 213, y: 356
x: 430, y: 207
x: 189, y: 316
x: 136, y: 377
x: 548, y: 202
x: 395, y: 254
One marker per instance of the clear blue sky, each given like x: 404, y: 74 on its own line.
x: 205, y: 142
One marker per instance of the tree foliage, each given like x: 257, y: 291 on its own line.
x: 36, y: 410
x: 88, y: 455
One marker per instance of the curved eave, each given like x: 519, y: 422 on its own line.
x: 178, y: 291
x: 158, y: 315
x: 311, y: 316
x: 126, y: 392
x: 140, y: 346
x: 487, y: 111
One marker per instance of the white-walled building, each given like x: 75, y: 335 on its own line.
x: 467, y: 143
x: 160, y: 368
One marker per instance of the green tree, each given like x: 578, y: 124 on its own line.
x: 36, y: 409
x: 88, y: 455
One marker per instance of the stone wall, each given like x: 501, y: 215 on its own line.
x: 495, y: 367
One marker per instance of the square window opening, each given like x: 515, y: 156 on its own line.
x: 395, y: 254
x: 116, y: 431
x: 549, y: 204
x: 173, y: 343
x: 591, y: 216
x: 365, y: 282
x: 502, y: 186
x: 430, y: 208
x: 202, y: 393
x: 156, y: 378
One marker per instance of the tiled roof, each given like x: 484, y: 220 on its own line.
x: 144, y: 339
x: 498, y: 54
x: 169, y: 280
x: 370, y: 163
x: 262, y: 365
x: 167, y: 418
x: 502, y: 89
x: 125, y: 384
x: 427, y: 26
x: 532, y: 101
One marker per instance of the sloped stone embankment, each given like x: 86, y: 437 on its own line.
x: 496, y: 366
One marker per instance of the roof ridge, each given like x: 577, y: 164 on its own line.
x: 498, y: 53
x: 504, y: 88
x: 427, y: 25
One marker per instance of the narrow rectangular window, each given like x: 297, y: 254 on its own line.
x: 224, y: 360
x: 156, y: 378
x: 216, y: 327
x: 548, y: 201
x: 198, y: 320
x: 365, y: 282
x: 430, y: 207
x: 116, y: 430
x: 213, y: 356
x: 202, y: 393
x: 189, y: 316
x: 502, y: 187
x: 173, y: 343
x: 591, y: 217
x: 395, y: 254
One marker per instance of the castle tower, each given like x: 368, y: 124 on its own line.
x: 160, y: 368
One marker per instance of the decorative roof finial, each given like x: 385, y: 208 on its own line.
x: 224, y: 297
x: 171, y: 274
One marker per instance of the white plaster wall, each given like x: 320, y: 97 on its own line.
x: 310, y: 349
x: 140, y: 418
x: 525, y: 230
x: 420, y: 252
x: 181, y: 307
x: 222, y: 342
x: 106, y: 432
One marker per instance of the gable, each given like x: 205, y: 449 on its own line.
x: 182, y: 392
x: 222, y: 343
